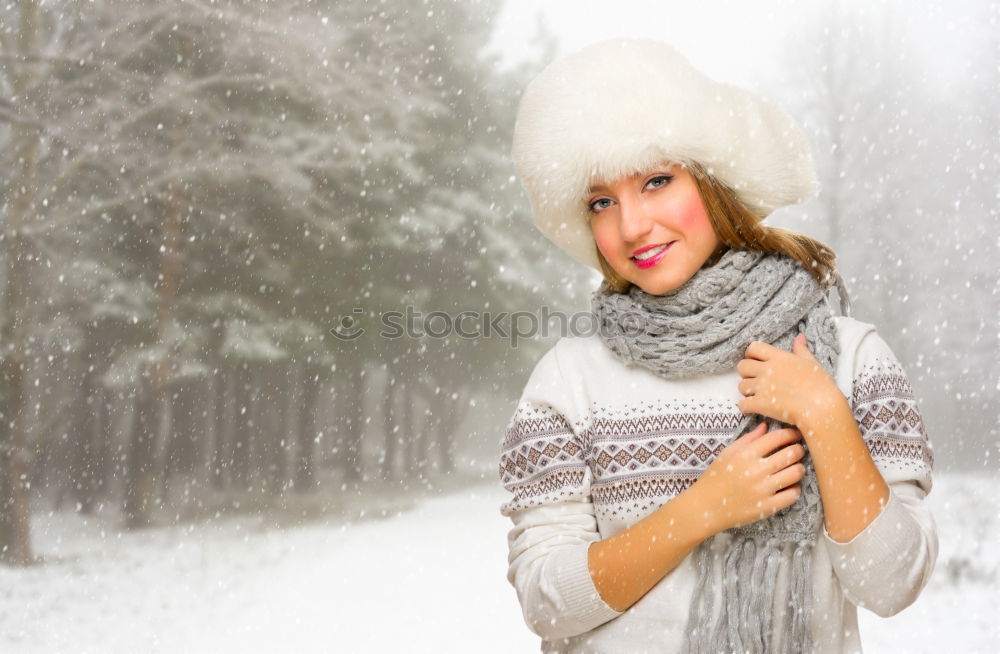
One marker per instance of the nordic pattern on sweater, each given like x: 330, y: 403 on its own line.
x: 643, y: 453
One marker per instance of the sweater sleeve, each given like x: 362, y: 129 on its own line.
x: 543, y: 465
x: 886, y: 566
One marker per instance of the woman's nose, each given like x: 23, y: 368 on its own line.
x: 636, y: 220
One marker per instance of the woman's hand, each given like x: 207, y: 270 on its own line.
x: 788, y: 386
x: 752, y: 478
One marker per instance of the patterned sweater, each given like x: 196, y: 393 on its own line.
x: 594, y: 446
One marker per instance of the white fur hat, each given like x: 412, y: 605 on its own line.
x: 624, y: 105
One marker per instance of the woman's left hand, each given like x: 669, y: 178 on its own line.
x: 789, y: 386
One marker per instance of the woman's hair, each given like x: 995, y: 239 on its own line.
x: 738, y: 227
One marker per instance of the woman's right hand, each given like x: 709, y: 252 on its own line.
x: 754, y: 477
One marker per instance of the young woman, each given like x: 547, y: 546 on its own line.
x: 727, y: 464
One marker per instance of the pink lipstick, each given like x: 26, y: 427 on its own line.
x: 658, y: 252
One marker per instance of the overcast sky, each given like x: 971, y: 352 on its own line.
x: 732, y: 40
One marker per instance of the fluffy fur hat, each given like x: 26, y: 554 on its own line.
x: 624, y: 105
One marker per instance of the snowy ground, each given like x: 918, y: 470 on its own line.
x: 429, y: 579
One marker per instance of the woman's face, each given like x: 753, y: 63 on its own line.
x: 638, y: 215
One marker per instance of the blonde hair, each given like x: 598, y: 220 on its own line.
x: 738, y: 227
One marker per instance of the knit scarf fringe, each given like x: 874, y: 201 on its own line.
x: 749, y: 573
x: 704, y: 327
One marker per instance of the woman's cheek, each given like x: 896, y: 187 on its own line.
x: 604, y: 244
x: 691, y: 213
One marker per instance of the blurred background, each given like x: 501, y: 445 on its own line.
x: 209, y: 442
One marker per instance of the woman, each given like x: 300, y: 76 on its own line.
x: 728, y: 464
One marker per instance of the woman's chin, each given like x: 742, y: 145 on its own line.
x: 656, y: 288
x: 660, y: 284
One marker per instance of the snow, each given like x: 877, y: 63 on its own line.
x: 426, y: 578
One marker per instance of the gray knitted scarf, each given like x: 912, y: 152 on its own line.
x: 704, y: 327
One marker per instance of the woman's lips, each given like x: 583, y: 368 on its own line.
x: 653, y: 260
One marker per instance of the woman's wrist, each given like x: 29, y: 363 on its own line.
x: 699, y: 508
x: 828, y: 410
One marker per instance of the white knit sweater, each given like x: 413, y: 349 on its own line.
x: 594, y: 446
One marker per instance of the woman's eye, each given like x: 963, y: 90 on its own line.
x: 664, y: 178
x: 593, y: 205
